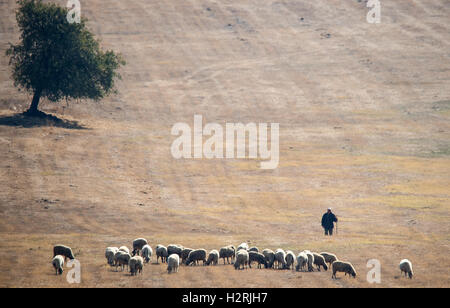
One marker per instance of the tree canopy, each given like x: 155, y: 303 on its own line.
x: 58, y: 60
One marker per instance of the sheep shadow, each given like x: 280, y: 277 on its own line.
x: 40, y: 119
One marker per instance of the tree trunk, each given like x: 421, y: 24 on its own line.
x: 33, y: 110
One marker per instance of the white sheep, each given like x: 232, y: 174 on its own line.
x: 147, y: 253
x: 290, y: 259
x: 406, y: 267
x: 58, y: 264
x: 280, y: 257
x: 213, y: 258
x: 302, y: 261
x: 124, y: 249
x: 109, y: 254
x: 135, y: 265
x: 173, y: 263
x: 243, y: 246
x: 344, y: 267
x: 161, y: 252
x: 310, y: 260
x: 242, y: 259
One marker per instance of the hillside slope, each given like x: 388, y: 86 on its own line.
x: 364, y: 128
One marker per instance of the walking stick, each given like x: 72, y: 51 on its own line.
x: 336, y: 228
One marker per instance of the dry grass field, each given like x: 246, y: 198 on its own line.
x: 364, y: 114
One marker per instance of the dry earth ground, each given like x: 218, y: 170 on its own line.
x: 364, y: 127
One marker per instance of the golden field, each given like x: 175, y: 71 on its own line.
x: 364, y: 128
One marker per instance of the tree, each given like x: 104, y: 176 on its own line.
x: 58, y: 60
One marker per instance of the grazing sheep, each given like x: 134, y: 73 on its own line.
x: 124, y: 249
x: 147, y: 253
x: 243, y: 246
x: 280, y: 258
x: 254, y: 256
x: 213, y: 257
x: 310, y: 260
x: 135, y: 265
x: 290, y: 259
x: 406, y: 267
x: 344, y: 267
x: 255, y: 249
x: 185, y: 254
x: 195, y: 256
x: 161, y: 252
x: 227, y: 252
x: 64, y: 251
x: 173, y: 263
x: 302, y: 261
x: 329, y: 257
x: 137, y: 245
x: 109, y: 254
x: 173, y: 248
x: 58, y: 264
x: 319, y: 261
x: 242, y: 259
x: 121, y: 258
x: 270, y: 257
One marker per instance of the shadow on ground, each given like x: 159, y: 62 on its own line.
x: 42, y: 119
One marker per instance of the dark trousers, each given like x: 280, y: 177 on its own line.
x: 329, y: 231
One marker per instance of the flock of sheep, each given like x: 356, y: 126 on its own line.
x: 241, y: 258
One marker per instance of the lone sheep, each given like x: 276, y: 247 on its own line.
x: 147, y: 253
x: 302, y: 261
x: 196, y: 256
x: 329, y: 257
x: 137, y: 245
x: 242, y: 259
x: 136, y: 264
x: 173, y: 263
x: 319, y: 261
x: 256, y: 257
x: 344, y: 267
x: 161, y: 252
x: 58, y: 264
x: 109, y: 254
x: 213, y: 258
x: 227, y: 253
x: 406, y: 267
x: 64, y: 251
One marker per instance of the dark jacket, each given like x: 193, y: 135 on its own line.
x: 328, y: 220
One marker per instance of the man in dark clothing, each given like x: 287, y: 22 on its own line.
x: 328, y: 220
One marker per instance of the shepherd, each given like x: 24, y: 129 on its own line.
x: 328, y: 220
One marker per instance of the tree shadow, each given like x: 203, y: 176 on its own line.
x: 39, y: 119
